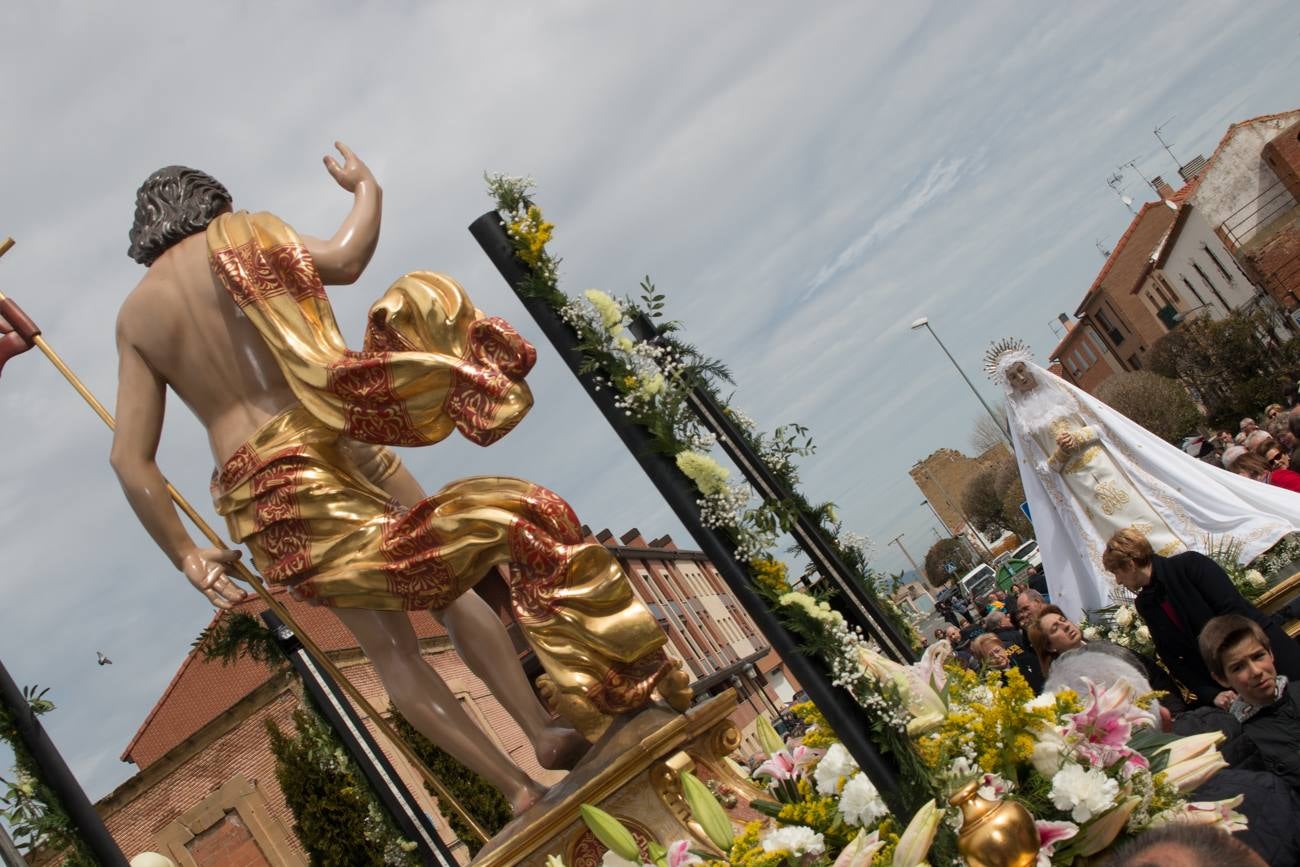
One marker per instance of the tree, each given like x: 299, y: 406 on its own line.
x: 1158, y: 403
x: 944, y: 553
x: 482, y: 800
x: 1011, y: 493
x: 1234, y: 366
x: 985, y: 434
x: 335, y: 816
x: 982, y: 503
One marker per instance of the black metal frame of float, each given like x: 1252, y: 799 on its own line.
x: 843, y: 713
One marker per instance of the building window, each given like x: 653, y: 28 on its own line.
x: 1217, y: 264
x: 1111, y: 331
x: 1195, y: 294
x: 1078, y: 361
x: 1087, y: 353
x: 1205, y: 278
x: 1134, y: 362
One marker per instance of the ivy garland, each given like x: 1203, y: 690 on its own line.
x: 652, y: 381
x: 33, y: 810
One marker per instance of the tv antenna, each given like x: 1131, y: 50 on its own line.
x: 1116, y: 184
x: 1133, y: 164
x: 1101, y: 248
x: 1165, y: 144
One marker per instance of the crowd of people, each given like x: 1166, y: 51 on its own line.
x: 1219, y: 663
x: 1265, y: 454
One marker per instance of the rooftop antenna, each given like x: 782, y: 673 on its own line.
x: 1133, y: 164
x: 1116, y: 182
x: 1101, y: 248
x: 1165, y: 144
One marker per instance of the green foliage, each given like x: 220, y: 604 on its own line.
x: 942, y: 553
x: 336, y: 817
x: 981, y: 502
x: 479, y: 798
x: 1158, y: 403
x: 236, y: 634
x: 1233, y: 366
x: 33, y: 811
x: 1011, y: 491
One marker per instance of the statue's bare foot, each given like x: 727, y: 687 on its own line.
x: 526, y: 798
x: 560, y: 747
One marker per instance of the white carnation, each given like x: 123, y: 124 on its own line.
x: 1091, y: 633
x: 1047, y: 699
x: 795, y: 839
x: 835, y: 764
x: 1144, y: 633
x: 1255, y: 578
x: 860, y: 803
x: 1085, y: 792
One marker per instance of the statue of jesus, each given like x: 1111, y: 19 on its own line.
x: 232, y: 316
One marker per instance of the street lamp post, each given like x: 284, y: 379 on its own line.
x: 924, y: 322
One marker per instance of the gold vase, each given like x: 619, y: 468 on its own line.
x: 994, y: 833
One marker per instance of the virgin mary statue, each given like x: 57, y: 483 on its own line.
x: 1088, y: 471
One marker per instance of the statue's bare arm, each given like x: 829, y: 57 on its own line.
x: 341, y: 259
x: 141, y: 399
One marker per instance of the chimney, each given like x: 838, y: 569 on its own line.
x: 1162, y: 188
x: 1065, y: 322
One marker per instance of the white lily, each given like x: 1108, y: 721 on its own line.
x: 1191, y: 746
x: 914, y: 845
x: 860, y: 852
x: 1103, y: 830
x: 1189, y: 774
x: 914, y: 686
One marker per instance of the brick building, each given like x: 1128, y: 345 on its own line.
x: 1227, y: 239
x: 943, y: 478
x: 206, y: 794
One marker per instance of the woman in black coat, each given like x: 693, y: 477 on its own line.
x: 1176, y: 597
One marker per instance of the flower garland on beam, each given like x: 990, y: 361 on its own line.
x: 652, y: 381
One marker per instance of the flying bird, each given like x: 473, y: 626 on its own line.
x: 102, y: 659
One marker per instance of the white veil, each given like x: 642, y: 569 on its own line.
x: 1197, y: 500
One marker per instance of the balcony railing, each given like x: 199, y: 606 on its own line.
x: 1274, y: 201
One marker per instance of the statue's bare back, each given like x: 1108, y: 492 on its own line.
x: 189, y: 331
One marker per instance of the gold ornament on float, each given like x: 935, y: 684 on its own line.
x: 994, y: 833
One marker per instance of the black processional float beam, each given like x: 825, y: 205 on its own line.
x: 333, y: 705
x: 861, y: 610
x: 843, y: 713
x: 55, y: 774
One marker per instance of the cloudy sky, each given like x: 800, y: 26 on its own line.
x: 801, y: 186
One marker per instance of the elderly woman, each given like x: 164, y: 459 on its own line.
x: 1067, y: 659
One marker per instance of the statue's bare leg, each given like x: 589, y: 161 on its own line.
x: 482, y: 642
x: 429, y: 705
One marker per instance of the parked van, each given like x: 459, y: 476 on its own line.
x: 978, y: 581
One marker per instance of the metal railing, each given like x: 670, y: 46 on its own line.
x: 1273, y: 201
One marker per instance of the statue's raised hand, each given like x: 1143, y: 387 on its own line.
x: 352, y: 172
x: 206, y: 569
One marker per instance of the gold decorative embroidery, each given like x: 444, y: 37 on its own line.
x: 1112, y: 497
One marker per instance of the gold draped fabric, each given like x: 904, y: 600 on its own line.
x: 431, y: 361
x: 316, y: 521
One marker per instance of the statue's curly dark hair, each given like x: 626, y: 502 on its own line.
x: 172, y: 204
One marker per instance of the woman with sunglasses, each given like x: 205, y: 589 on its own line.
x: 1273, y: 468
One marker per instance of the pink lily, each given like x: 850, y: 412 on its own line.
x: 679, y: 854
x: 1189, y: 774
x: 780, y: 767
x: 804, y: 757
x: 1049, y: 834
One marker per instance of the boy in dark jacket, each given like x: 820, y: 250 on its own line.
x: 1176, y: 597
x: 1237, y: 652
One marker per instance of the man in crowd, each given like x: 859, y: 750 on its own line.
x: 1176, y: 597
